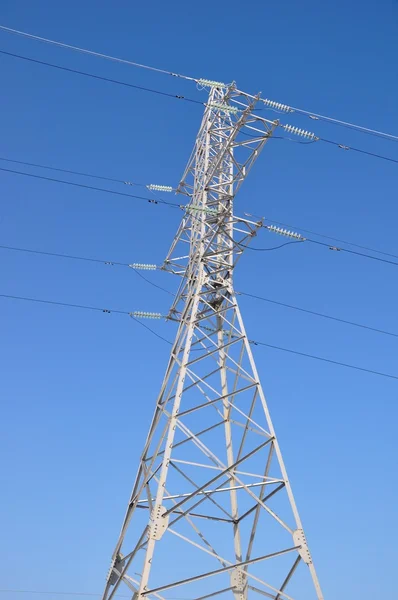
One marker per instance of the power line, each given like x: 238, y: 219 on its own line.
x: 318, y: 314
x: 91, y: 175
x: 175, y: 205
x: 373, y: 154
x: 97, y: 54
x: 328, y: 360
x: 99, y: 77
x: 111, y: 263
x: 314, y: 138
x: 266, y: 249
x: 86, y: 307
x: 179, y: 97
x: 160, y: 201
x: 269, y: 103
x: 383, y: 260
x: 67, y: 304
x: 71, y: 256
x: 90, y: 187
x: 157, y: 200
x: 334, y: 248
x: 87, y: 259
x: 347, y: 125
x: 159, y: 287
x: 328, y: 237
x: 254, y: 342
x: 155, y: 333
x: 284, y: 108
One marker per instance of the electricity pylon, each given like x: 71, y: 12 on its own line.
x: 212, y: 510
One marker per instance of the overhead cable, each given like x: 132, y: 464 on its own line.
x: 151, y: 186
x: 107, y: 262
x: 136, y: 267
x: 267, y: 249
x: 284, y: 108
x: 159, y: 287
x: 328, y: 237
x: 279, y: 107
x: 92, y: 53
x: 318, y: 314
x: 334, y: 248
x: 135, y: 315
x: 96, y: 189
x: 70, y: 172
x: 289, y: 128
x: 323, y: 359
x: 175, y: 205
x: 99, y: 77
x: 373, y: 154
x: 312, y: 138
x: 254, y: 342
x: 155, y: 200
x: 73, y: 257
x: 362, y: 254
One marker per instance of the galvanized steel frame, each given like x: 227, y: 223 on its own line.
x: 211, y: 372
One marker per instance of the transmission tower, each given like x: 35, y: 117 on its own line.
x: 212, y: 510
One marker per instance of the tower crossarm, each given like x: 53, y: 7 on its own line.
x: 229, y: 141
x: 223, y: 244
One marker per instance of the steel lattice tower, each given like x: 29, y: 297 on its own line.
x: 212, y: 510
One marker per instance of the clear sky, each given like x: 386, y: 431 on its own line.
x: 78, y: 388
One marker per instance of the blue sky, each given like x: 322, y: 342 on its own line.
x: 78, y: 388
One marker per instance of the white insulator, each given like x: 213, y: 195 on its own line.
x: 209, y: 211
x: 278, y: 105
x: 285, y: 232
x: 160, y: 188
x: 301, y: 132
x: 143, y: 266
x: 224, y: 107
x: 140, y: 314
x: 211, y: 83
